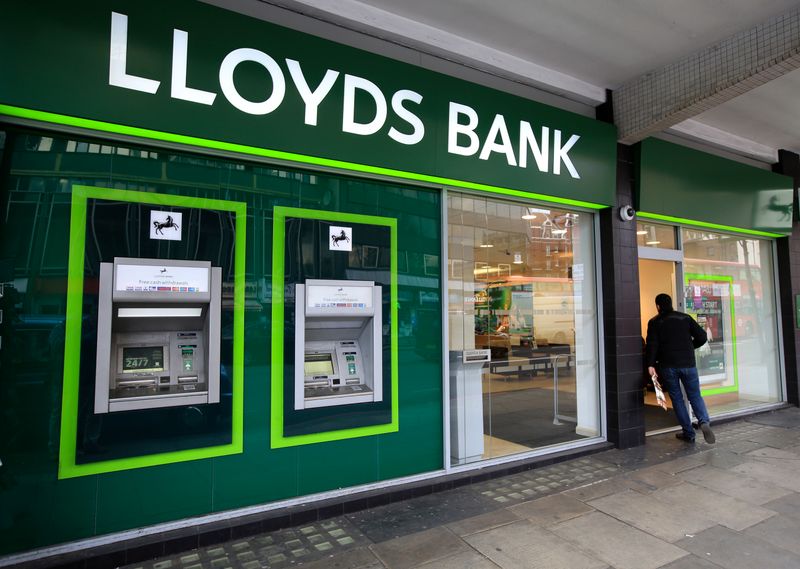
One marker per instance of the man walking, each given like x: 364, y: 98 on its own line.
x: 672, y: 338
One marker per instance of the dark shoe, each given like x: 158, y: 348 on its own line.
x: 708, y: 434
x: 684, y: 437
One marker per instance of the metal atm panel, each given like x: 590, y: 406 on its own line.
x: 338, y: 343
x: 158, y: 334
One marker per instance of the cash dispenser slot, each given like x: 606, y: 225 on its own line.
x: 158, y: 334
x: 338, y: 339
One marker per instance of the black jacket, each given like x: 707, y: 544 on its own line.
x: 672, y: 338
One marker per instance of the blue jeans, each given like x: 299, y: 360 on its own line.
x: 671, y: 378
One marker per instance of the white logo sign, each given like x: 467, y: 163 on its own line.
x: 517, y: 141
x: 341, y: 239
x: 165, y: 225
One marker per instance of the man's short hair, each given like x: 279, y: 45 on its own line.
x: 664, y: 302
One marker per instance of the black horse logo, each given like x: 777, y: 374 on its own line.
x: 335, y: 239
x: 784, y: 209
x: 161, y: 225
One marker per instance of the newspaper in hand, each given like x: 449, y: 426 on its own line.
x: 660, y: 399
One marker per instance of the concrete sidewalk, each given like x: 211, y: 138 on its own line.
x: 668, y: 504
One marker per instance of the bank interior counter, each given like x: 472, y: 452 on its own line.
x: 158, y: 334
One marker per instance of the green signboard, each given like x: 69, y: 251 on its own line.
x: 193, y: 73
x: 680, y: 184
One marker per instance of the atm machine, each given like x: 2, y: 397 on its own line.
x: 158, y: 334
x: 338, y: 343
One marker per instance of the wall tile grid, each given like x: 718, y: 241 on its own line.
x: 707, y: 78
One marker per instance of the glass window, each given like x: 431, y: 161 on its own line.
x: 522, y: 288
x: 729, y: 289
x: 655, y: 235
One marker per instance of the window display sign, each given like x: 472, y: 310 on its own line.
x: 709, y: 301
x: 319, y: 296
x: 161, y: 278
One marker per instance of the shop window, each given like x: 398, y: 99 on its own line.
x: 655, y: 235
x: 521, y: 294
x: 729, y: 289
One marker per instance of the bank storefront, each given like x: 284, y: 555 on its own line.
x: 243, y: 265
x: 706, y: 235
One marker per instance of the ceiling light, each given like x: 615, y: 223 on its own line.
x: 486, y: 245
x: 653, y: 242
x: 529, y: 216
x: 643, y: 232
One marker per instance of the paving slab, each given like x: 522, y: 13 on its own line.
x: 551, y: 510
x: 616, y: 543
x: 724, y: 458
x: 606, y: 487
x: 411, y: 516
x: 418, y: 548
x: 664, y: 521
x: 779, y: 438
x: 467, y: 560
x: 723, y: 509
x: 361, y: 558
x: 788, y: 418
x: 523, y: 545
x: 683, y: 463
x: 735, y: 485
x: 776, y: 457
x: 776, y: 475
x: 654, y: 478
x: 657, y: 451
x: 691, y: 561
x: 781, y: 531
x: 483, y: 522
x: 735, y: 550
x: 738, y: 446
x: 786, y: 506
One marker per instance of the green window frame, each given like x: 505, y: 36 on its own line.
x: 277, y: 438
x: 67, y: 467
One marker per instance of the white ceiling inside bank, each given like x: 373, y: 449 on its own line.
x: 579, y: 48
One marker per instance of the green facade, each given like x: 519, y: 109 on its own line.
x: 38, y: 177
x: 74, y: 89
x: 682, y: 185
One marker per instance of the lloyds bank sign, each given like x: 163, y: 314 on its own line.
x: 194, y: 73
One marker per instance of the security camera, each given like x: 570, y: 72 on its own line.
x: 627, y: 213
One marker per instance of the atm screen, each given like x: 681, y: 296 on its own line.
x: 142, y: 358
x: 318, y: 364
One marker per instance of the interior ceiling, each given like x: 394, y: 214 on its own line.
x: 603, y: 43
